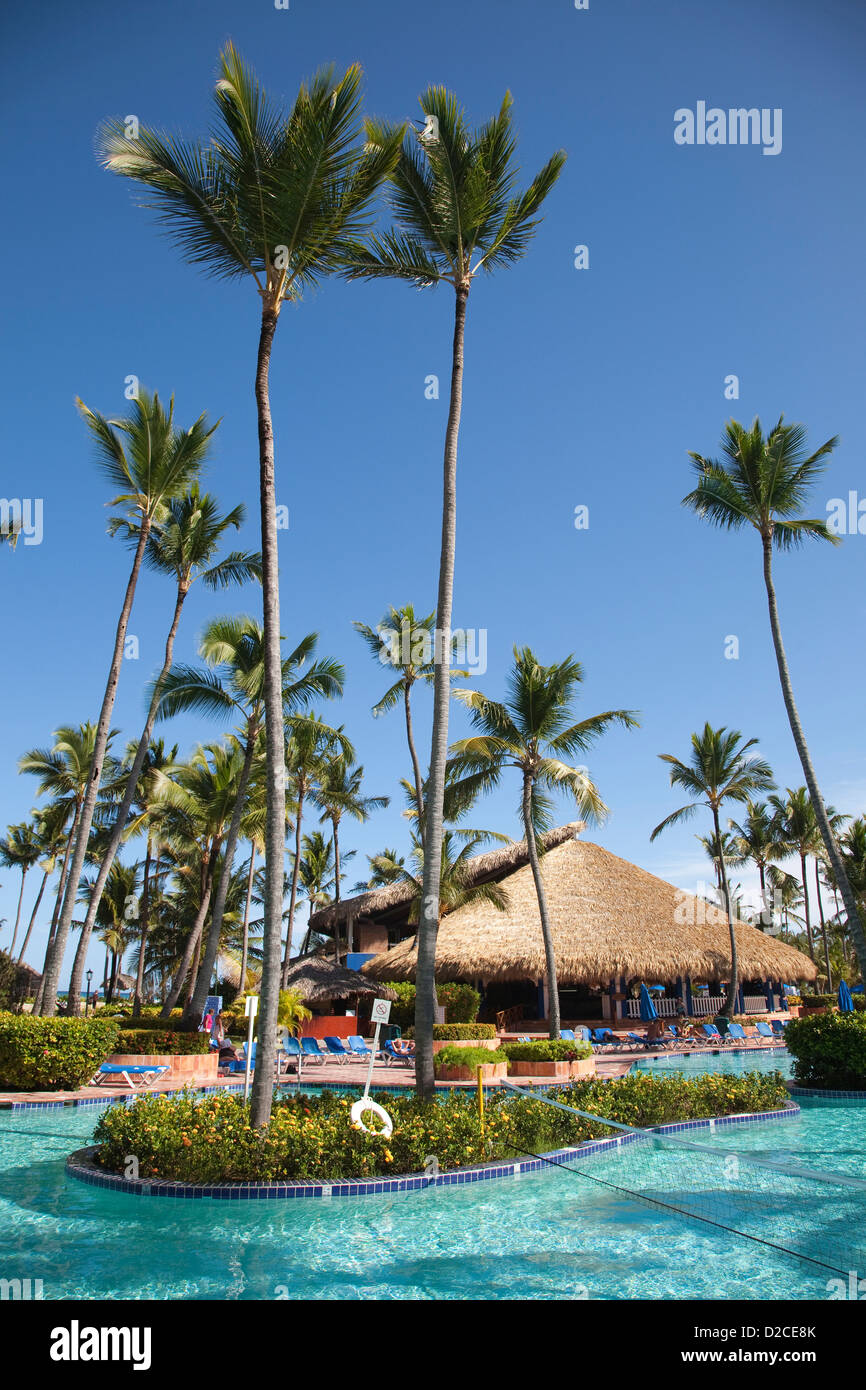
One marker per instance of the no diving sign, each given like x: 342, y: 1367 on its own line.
x: 381, y: 1011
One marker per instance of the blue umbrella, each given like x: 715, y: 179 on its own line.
x: 647, y: 1007
x: 846, y: 1003
x: 656, y: 989
x: 856, y: 989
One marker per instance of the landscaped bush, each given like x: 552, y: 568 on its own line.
x: 547, y: 1050
x: 829, y: 1050
x: 52, y: 1054
x: 467, y: 1057
x: 461, y: 1002
x: 831, y: 1001
x: 142, y: 1041
x: 209, y: 1139
x: 453, y: 1032
x: 163, y: 1025
x: 16, y: 982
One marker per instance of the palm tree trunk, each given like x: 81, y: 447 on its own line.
x: 58, y: 902
x: 428, y: 925
x: 416, y: 766
x: 18, y: 913
x: 275, y: 834
x: 189, y: 950
x: 336, y: 827
x: 125, y: 807
x: 103, y: 729
x: 294, y: 889
x: 246, y: 943
x: 199, y: 994
x: 806, y: 906
x: 142, y: 942
x: 193, y: 975
x: 729, y: 1005
x: 46, y: 874
x: 553, y: 1019
x: 854, y: 922
x: 823, y: 926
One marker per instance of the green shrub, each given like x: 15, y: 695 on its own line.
x: 162, y: 1025
x: 829, y: 1001
x: 141, y: 1041
x: 467, y: 1057
x: 461, y: 1002
x: 547, y: 1050
x: 210, y: 1139
x: 829, y: 1050
x: 52, y: 1054
x: 16, y: 982
x: 454, y: 1032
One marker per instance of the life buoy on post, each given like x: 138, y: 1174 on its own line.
x: 358, y: 1110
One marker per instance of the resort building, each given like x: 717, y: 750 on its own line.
x: 614, y: 927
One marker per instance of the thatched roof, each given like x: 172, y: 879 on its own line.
x: 495, y: 864
x: 319, y: 980
x: 609, y: 918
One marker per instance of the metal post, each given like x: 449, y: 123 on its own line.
x: 479, y: 1071
x: 372, y: 1060
x: 252, y: 1005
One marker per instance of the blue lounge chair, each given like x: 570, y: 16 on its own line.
x: 310, y: 1048
x: 338, y: 1048
x: 664, y: 1040
x: 779, y: 1025
x: 359, y: 1046
x: 396, y: 1050
x: 584, y: 1034
x: 603, y: 1037
x: 567, y: 1034
x: 737, y: 1032
x: 679, y: 1037
x: 765, y: 1031
x: 146, y: 1075
x: 713, y: 1033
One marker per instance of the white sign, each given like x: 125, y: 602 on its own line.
x: 251, y: 1006
x: 381, y: 1011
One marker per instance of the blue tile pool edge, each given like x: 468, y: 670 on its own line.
x: 81, y: 1166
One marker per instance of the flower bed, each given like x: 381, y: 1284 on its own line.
x: 210, y: 1139
x: 52, y: 1054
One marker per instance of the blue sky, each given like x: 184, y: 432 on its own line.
x: 583, y: 387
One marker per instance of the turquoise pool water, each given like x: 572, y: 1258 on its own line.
x: 769, y: 1059
x: 557, y: 1234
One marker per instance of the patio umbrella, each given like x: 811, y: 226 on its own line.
x: 846, y: 1003
x: 656, y: 989
x: 647, y: 1007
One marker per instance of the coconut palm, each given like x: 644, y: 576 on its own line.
x: 787, y: 897
x: 763, y: 483
x: 533, y: 730
x: 148, y: 460
x: 20, y: 849
x: 156, y: 760
x: 757, y: 838
x: 49, y: 829
x: 385, y: 868
x: 273, y: 196
x: 315, y: 876
x: 338, y: 794
x: 458, y: 213
x: 114, y: 917
x: 716, y: 852
x: 184, y: 544
x: 720, y: 769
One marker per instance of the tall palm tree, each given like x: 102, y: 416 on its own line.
x: 148, y: 460
x: 533, y: 730
x: 458, y: 213
x: 49, y: 823
x: 757, y: 837
x: 20, y: 849
x: 787, y: 897
x: 234, y: 682
x: 123, y: 882
x: 338, y: 794
x: 315, y: 876
x: 274, y: 196
x: 184, y: 543
x: 763, y: 483
x: 157, y: 760
x: 716, y: 852
x: 720, y: 769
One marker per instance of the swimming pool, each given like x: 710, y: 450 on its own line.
x: 729, y: 1063
x: 557, y: 1234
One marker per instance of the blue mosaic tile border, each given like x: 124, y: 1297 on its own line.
x: 80, y: 1165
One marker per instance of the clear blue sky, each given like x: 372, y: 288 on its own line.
x: 582, y: 387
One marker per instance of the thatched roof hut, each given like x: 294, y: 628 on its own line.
x: 609, y: 919
x: 320, y: 980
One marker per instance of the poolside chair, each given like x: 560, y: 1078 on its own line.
x: 359, y: 1046
x: 664, y: 1040
x: 584, y: 1034
x: 310, y: 1048
x: 679, y: 1037
x: 338, y: 1048
x: 567, y: 1034
x: 714, y: 1035
x: 778, y: 1026
x: 399, y: 1050
x: 737, y: 1032
x: 603, y: 1037
x: 136, y: 1078
x: 765, y: 1031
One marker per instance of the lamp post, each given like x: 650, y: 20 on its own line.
x: 87, y: 1000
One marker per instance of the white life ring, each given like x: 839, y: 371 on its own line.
x: 357, y: 1111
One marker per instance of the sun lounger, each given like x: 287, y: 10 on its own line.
x: 681, y: 1039
x: 135, y: 1077
x: 778, y: 1025
x: 310, y: 1048
x: 663, y: 1040
x: 337, y: 1048
x: 359, y: 1046
x: 765, y: 1031
x: 737, y: 1032
x: 567, y: 1034
x: 713, y: 1033
x: 399, y: 1050
x: 603, y: 1037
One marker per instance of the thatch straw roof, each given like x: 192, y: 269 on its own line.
x: 609, y: 918
x: 495, y: 864
x: 320, y: 980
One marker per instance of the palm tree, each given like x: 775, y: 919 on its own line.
x: 276, y: 197
x: 787, y: 895
x: 149, y: 460
x: 184, y: 543
x: 338, y: 794
x: 720, y: 769
x: 458, y: 213
x: 532, y: 731
x: 51, y: 838
x: 112, y: 917
x: 458, y: 887
x: 20, y: 850
x: 235, y: 682
x: 385, y: 868
x: 315, y: 876
x: 757, y: 837
x: 764, y: 483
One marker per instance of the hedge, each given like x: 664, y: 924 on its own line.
x: 831, y: 1001
x: 141, y: 1041
x: 16, y: 982
x: 461, y: 1002
x: 210, y: 1138
x: 454, y: 1032
x: 52, y: 1054
x: 164, y: 1025
x: 829, y: 1051
x: 467, y: 1057
x: 548, y: 1050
